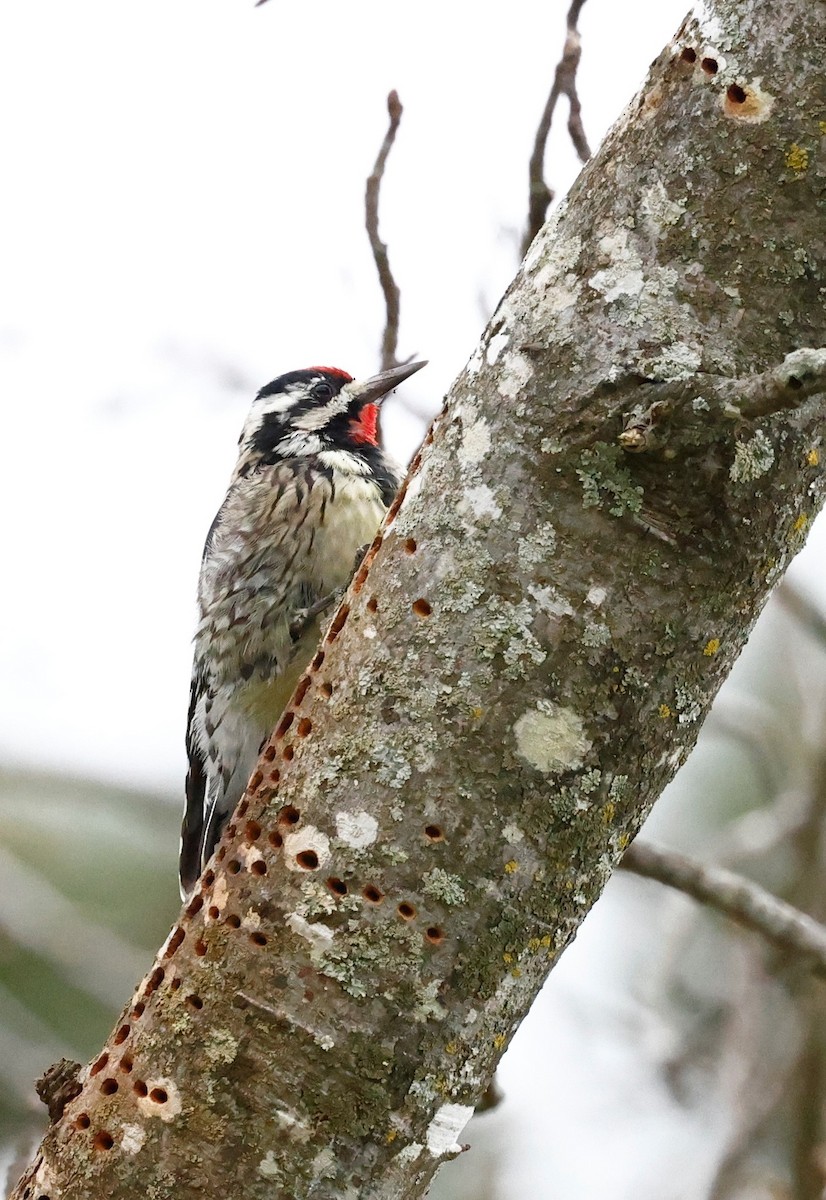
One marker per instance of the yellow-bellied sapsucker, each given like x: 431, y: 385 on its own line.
x: 309, y: 490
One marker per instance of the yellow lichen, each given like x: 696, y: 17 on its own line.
x: 800, y: 524
x: 533, y: 945
x: 711, y: 647
x: 392, y: 1134
x: 664, y: 712
x: 813, y: 458
x: 797, y: 158
x: 476, y: 713
x: 609, y: 812
x: 511, y: 866
x: 451, y: 1048
x: 506, y: 957
x: 499, y: 1040
x: 624, y: 840
x: 546, y: 940
x: 516, y: 972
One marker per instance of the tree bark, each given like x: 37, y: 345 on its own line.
x: 519, y: 668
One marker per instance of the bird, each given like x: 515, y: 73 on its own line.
x: 310, y: 487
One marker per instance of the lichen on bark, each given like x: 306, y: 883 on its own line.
x: 618, y: 478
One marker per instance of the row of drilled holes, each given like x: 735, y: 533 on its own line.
x: 103, y: 1140
x: 735, y: 93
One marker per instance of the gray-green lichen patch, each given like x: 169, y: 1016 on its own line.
x: 605, y: 478
x: 551, y: 738
x: 444, y: 887
x: 506, y: 630
x: 538, y: 547
x: 752, y: 458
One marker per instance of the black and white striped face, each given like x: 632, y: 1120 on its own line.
x: 318, y: 409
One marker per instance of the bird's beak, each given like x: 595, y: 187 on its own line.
x: 372, y: 391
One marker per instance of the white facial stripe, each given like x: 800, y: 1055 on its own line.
x: 280, y: 403
x: 317, y: 418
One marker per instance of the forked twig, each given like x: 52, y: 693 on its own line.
x: 540, y: 194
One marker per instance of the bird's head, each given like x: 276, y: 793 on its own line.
x: 317, y: 409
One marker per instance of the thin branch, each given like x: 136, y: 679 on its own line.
x: 564, y: 84
x: 392, y: 295
x: 808, y: 614
x: 735, y: 897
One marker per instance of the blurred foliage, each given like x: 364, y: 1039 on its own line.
x: 87, y: 894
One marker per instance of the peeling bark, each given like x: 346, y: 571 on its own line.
x: 520, y: 666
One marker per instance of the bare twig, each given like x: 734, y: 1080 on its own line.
x: 564, y: 84
x: 735, y: 897
x: 392, y: 295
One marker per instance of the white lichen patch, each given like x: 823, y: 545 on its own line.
x: 538, y: 547
x: 550, y: 602
x: 476, y: 442
x: 357, y: 830
x: 517, y: 373
x: 308, y: 838
x: 474, y: 363
x: 551, y: 738
x: 752, y: 458
x: 479, y: 501
x: 410, y: 1152
x: 512, y: 834
x: 596, y: 596
x: 708, y: 21
x: 251, y: 920
x: 802, y: 363
x: 324, y: 1163
x: 496, y: 345
x: 369, y: 632
x: 445, y: 1128
x: 161, y: 1100
x: 268, y: 1167
x: 614, y: 282
x: 319, y: 936
x: 132, y: 1138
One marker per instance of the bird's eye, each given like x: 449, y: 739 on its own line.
x: 322, y: 391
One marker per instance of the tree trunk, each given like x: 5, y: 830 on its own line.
x: 619, y: 478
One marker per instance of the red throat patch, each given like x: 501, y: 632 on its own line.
x: 364, y: 429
